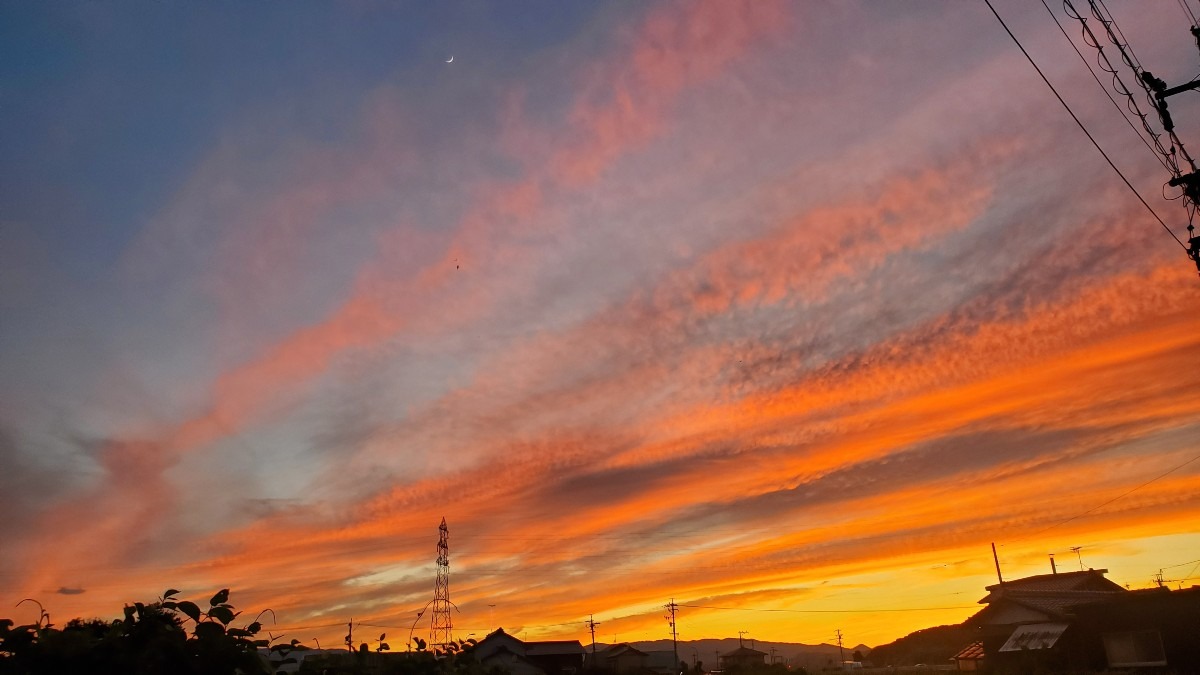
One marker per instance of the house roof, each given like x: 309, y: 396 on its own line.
x: 973, y: 651
x: 1087, y: 580
x: 1049, y: 605
x: 1034, y: 636
x: 553, y: 647
x: 1053, y: 596
x: 1056, y: 602
x: 621, y: 649
x: 743, y: 651
x: 502, y: 650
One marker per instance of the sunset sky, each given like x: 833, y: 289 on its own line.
x: 786, y: 306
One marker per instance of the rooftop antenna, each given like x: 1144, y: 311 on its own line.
x: 996, y: 558
x: 441, y: 628
x: 1078, y: 557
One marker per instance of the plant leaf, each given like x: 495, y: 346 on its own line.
x: 209, y: 630
x: 190, y: 609
x: 222, y: 614
x: 170, y: 592
x: 220, y: 598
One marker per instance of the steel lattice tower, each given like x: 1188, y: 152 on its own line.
x: 441, y: 629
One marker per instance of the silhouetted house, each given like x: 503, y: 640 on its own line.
x: 743, y: 657
x: 662, y: 662
x: 1152, y: 628
x: 1081, y: 621
x: 517, y: 657
x: 1026, y: 619
x: 621, y: 659
x: 970, y: 657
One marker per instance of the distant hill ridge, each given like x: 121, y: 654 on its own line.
x: 935, y: 645
x: 795, y: 653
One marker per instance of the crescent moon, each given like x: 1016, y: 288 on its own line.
x: 450, y: 60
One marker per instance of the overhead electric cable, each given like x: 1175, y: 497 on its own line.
x: 1111, y: 21
x: 1103, y: 88
x: 1120, y: 496
x: 1167, y: 156
x: 1182, y: 564
x: 1118, y: 40
x: 829, y: 611
x: 1188, y: 11
x: 1081, y: 125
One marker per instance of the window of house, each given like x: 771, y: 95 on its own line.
x: 1134, y: 648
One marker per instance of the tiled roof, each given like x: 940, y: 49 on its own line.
x: 1090, y: 580
x: 1056, y: 603
x: 971, y: 651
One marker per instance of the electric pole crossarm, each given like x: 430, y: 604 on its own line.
x: 1160, y: 95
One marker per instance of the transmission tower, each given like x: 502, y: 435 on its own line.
x: 440, y: 629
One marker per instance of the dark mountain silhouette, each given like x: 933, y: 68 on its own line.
x: 811, y: 657
x: 933, y: 646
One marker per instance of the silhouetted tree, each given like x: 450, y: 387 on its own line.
x: 150, y: 638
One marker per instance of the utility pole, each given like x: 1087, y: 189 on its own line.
x: 772, y: 654
x: 1184, y: 174
x: 350, y: 635
x: 672, y: 607
x: 841, y: 652
x: 591, y: 624
x: 1079, y: 557
x: 740, y: 634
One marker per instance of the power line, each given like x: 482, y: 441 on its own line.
x: 1118, y: 40
x: 829, y: 611
x: 1081, y: 125
x: 1188, y: 11
x: 1103, y: 88
x: 1120, y: 496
